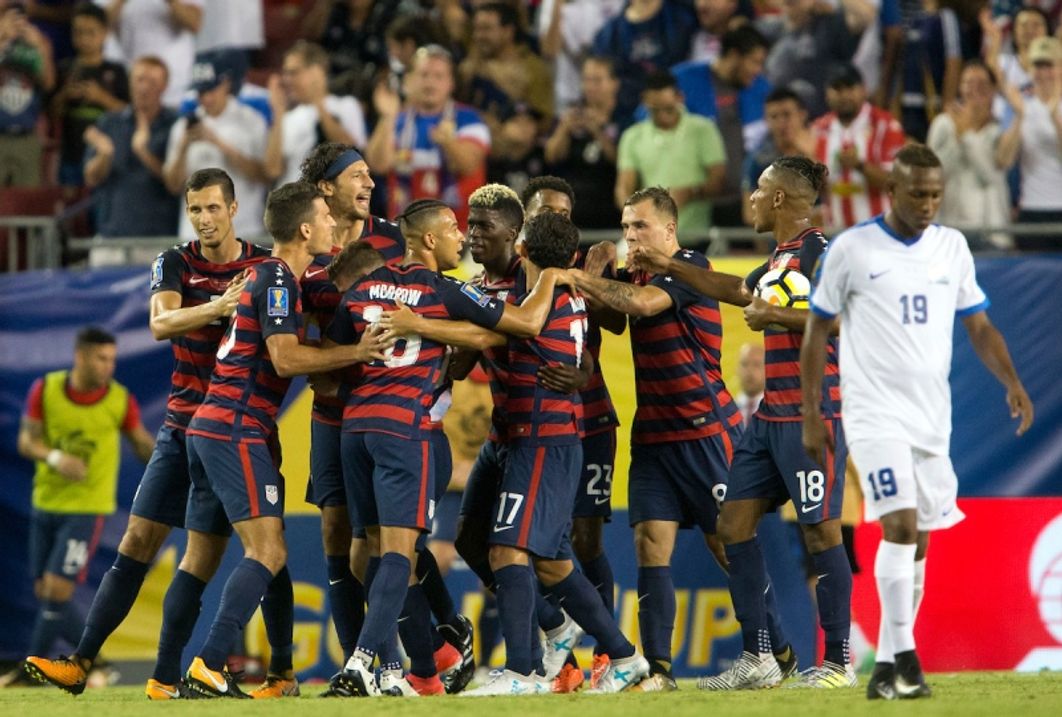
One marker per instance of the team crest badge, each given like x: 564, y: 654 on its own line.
x: 278, y: 301
x: 475, y: 294
x: 272, y: 494
x: 156, y: 271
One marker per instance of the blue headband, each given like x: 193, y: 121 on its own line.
x: 341, y: 162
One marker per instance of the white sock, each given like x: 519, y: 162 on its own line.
x: 919, y: 585
x: 894, y: 570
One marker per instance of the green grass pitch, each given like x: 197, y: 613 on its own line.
x: 991, y: 694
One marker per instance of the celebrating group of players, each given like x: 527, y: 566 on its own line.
x: 393, y: 333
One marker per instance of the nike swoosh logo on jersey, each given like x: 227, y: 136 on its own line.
x: 875, y: 275
x: 313, y: 273
x: 198, y: 279
x: 809, y: 508
x: 335, y: 582
x: 503, y: 528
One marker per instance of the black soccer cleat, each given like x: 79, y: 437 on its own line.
x: 460, y: 636
x: 909, y: 682
x: 880, y: 685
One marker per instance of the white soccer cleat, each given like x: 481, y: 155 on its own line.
x: 829, y: 676
x: 394, y: 684
x: 559, y: 644
x: 507, y: 682
x: 360, y: 677
x: 749, y: 672
x: 621, y: 675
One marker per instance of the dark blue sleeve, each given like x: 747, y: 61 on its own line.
x: 755, y: 275
x: 166, y: 272
x: 464, y: 301
x: 341, y: 329
x: 680, y: 293
x: 275, y: 296
x: 810, y: 252
x: 889, y: 15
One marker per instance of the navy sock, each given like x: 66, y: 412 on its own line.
x: 387, y: 595
x: 488, y: 628
x: 748, y: 582
x: 584, y: 604
x: 390, y: 654
x: 239, y: 599
x: 112, y: 602
x: 346, y: 597
x: 656, y: 612
x: 599, y: 572
x: 547, y: 615
x: 180, y: 610
x: 834, y: 596
x: 435, y: 590
x: 415, y: 628
x: 278, y: 613
x: 779, y: 642
x: 49, y: 626
x: 516, y: 594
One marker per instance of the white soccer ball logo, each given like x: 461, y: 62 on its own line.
x: 1045, y: 576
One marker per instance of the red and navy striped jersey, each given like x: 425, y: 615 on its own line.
x: 394, y: 396
x: 781, y: 394
x: 245, y: 391
x: 681, y: 394
x: 598, y: 413
x: 185, y: 270
x: 495, y: 360
x: 320, y: 297
x: 534, y: 412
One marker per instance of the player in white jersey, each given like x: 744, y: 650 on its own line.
x: 898, y: 282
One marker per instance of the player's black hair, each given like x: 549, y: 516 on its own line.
x: 317, y: 162
x: 551, y: 240
x: 917, y: 155
x: 549, y: 182
x: 413, y: 221
x: 604, y: 60
x: 662, y: 201
x: 356, y: 259
x: 501, y: 199
x: 287, y: 208
x: 978, y: 62
x: 781, y: 94
x: 93, y: 336
x: 812, y: 172
x: 211, y: 177
x: 507, y: 15
x: 660, y: 80
x: 743, y: 40
x: 1035, y: 10
x: 92, y: 10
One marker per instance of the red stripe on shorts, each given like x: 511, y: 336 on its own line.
x: 248, y: 478
x: 532, y: 493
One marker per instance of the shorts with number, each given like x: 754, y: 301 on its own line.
x: 770, y: 462
x: 162, y: 495
x: 63, y: 543
x: 681, y: 482
x: 594, y: 497
x: 325, y: 487
x: 533, y: 511
x: 894, y: 476
x: 388, y: 480
x: 231, y: 482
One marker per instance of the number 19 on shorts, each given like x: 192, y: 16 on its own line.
x: 882, y: 483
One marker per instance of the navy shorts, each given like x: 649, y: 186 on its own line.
x: 447, y: 511
x: 231, y: 482
x: 533, y: 511
x: 388, y: 480
x: 443, y: 468
x: 162, y: 495
x: 63, y: 543
x: 594, y: 497
x: 325, y: 487
x: 682, y: 482
x: 484, y: 482
x: 770, y: 462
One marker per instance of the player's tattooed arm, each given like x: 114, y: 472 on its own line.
x: 31, y: 445
x: 169, y: 319
x: 621, y: 296
x: 713, y: 284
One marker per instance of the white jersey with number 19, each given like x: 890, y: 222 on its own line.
x: 897, y: 299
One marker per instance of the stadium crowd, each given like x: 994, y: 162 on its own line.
x: 107, y: 101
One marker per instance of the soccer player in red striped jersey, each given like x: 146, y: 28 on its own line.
x: 686, y: 423
x: 234, y: 474
x: 387, y: 458
x: 770, y: 466
x: 598, y: 422
x: 195, y: 288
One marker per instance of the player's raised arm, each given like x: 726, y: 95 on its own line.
x: 621, y: 296
x: 713, y: 284
x: 526, y: 319
x: 991, y: 348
